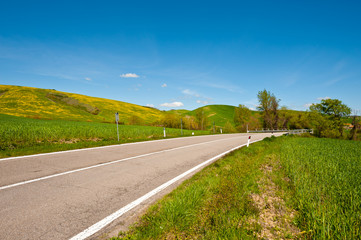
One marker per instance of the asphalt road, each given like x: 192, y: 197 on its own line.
x: 59, y: 195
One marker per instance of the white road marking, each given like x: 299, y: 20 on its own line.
x: 109, y: 146
x: 107, y: 163
x: 104, y: 222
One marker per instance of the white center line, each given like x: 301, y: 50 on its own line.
x: 107, y: 163
x: 109, y: 146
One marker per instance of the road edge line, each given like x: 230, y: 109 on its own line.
x: 107, y: 220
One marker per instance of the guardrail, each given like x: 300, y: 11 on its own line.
x: 290, y: 131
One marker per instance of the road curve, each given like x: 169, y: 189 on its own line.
x: 59, y: 195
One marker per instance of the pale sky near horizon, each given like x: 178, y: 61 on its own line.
x: 185, y: 54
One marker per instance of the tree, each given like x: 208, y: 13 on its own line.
x: 171, y: 120
x: 268, y: 105
x: 201, y: 119
x: 290, y: 119
x: 228, y: 128
x: 356, y: 123
x: 284, y: 118
x: 274, y: 110
x: 190, y: 123
x: 135, y: 120
x: 332, y: 111
x: 242, y: 117
x: 331, y: 107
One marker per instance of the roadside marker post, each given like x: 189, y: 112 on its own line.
x: 221, y: 131
x: 117, y: 120
x: 249, y: 139
x: 181, y: 127
x: 164, y: 132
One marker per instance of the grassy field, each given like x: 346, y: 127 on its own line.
x: 284, y: 188
x: 21, y: 136
x: 326, y: 176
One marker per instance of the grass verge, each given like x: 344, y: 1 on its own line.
x: 284, y: 188
x: 215, y: 203
x: 23, y: 136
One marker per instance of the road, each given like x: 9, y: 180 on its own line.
x: 59, y: 195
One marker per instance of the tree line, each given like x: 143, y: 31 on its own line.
x: 326, y: 118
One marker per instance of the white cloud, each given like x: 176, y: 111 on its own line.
x: 164, y: 85
x: 150, y: 105
x: 88, y: 79
x: 173, y: 104
x: 190, y: 93
x: 307, y: 105
x: 323, y: 98
x: 129, y: 75
x: 252, y: 104
x: 202, y: 102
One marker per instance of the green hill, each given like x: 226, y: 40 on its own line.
x: 219, y: 114
x: 55, y: 105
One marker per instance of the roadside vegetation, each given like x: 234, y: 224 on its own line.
x: 280, y: 188
x: 21, y: 136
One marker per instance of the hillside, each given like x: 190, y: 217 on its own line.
x: 51, y: 104
x: 219, y: 114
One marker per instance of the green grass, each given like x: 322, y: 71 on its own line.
x: 326, y: 176
x: 219, y: 114
x: 21, y: 136
x: 318, y: 178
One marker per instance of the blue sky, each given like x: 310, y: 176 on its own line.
x: 185, y: 54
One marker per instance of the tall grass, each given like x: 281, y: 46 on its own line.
x: 18, y: 133
x: 326, y: 176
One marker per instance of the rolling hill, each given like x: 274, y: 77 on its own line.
x: 51, y: 104
x: 219, y: 114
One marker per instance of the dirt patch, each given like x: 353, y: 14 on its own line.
x: 275, y: 218
x: 3, y: 92
x: 64, y: 99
